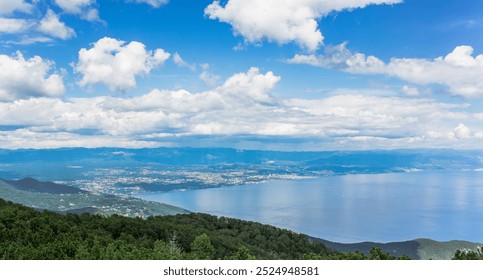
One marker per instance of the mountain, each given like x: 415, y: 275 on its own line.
x: 418, y: 249
x: 30, y: 184
x: 65, y: 199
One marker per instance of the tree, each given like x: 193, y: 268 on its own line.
x: 201, y: 248
x: 174, y: 250
x: 243, y: 253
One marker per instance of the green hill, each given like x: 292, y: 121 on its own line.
x: 26, y: 233
x: 62, y: 198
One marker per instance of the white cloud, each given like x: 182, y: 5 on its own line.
x: 214, y: 111
x: 178, y: 60
x: 410, y: 91
x: 462, y: 131
x: 242, y: 106
x: 13, y: 25
x: 93, y: 15
x: 74, y: 6
x: 460, y: 71
x: 21, y: 78
x: 84, y: 8
x: 282, y: 21
x: 10, y: 6
x: 113, y: 63
x: 38, y: 140
x: 29, y: 40
x: 52, y: 26
x: 251, y: 85
x: 154, y: 3
x: 340, y: 58
x: 209, y: 78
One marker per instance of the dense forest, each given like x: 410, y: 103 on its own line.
x: 26, y: 233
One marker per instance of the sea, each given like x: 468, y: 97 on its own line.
x: 440, y: 205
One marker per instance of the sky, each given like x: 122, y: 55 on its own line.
x: 248, y: 74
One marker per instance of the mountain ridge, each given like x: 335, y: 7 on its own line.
x: 417, y: 249
x: 31, y: 184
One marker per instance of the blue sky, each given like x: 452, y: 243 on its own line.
x: 289, y: 75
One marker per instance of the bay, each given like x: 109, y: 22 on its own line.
x: 441, y: 205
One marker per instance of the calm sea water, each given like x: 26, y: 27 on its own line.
x: 353, y: 208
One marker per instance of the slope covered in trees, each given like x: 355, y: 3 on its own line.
x: 29, y: 234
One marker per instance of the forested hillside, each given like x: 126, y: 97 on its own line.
x: 26, y: 233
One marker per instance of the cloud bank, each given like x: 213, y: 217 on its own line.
x: 241, y: 109
x: 459, y: 70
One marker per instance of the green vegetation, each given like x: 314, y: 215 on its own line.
x: 29, y: 234
x: 468, y: 254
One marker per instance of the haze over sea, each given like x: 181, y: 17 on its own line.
x: 440, y: 205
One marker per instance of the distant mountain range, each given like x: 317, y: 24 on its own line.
x: 418, y: 249
x: 132, y: 171
x: 382, y: 159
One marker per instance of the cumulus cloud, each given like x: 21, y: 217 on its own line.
x: 459, y: 70
x: 13, y: 25
x: 282, y: 21
x: 154, y: 3
x: 10, y: 6
x: 52, y: 26
x: 251, y: 85
x: 24, y: 78
x: 116, y: 64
